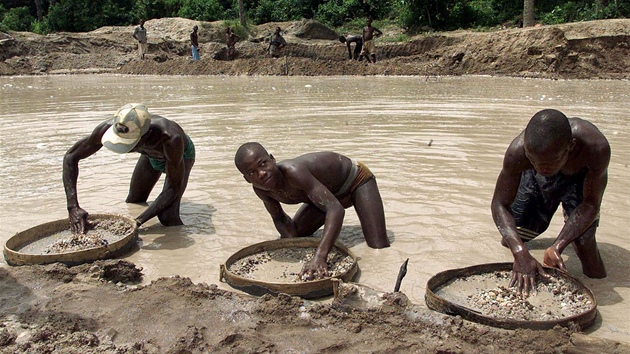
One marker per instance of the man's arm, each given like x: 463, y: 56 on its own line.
x: 283, y: 222
x: 80, y: 150
x: 586, y: 212
x: 349, y: 50
x: 525, y: 266
x: 135, y: 34
x: 323, y: 199
x: 175, y: 174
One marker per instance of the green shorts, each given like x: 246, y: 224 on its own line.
x: 189, y: 154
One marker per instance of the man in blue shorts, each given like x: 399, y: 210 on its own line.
x: 555, y: 160
x: 163, y: 147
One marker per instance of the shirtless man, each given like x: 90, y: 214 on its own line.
x: 163, y: 147
x: 230, y: 41
x: 369, y: 49
x: 327, y: 183
x: 358, y: 40
x: 554, y: 160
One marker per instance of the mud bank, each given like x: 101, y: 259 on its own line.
x: 96, y: 308
x: 585, y: 50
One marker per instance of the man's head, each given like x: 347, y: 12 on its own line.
x: 368, y: 21
x: 342, y: 39
x: 141, y: 22
x: 256, y: 164
x: 130, y: 123
x: 278, y: 30
x: 195, y: 28
x: 227, y: 30
x: 548, y: 141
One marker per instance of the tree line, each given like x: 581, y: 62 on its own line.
x: 46, y: 16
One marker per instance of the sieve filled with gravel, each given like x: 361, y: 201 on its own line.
x: 284, y: 265
x: 481, y: 294
x: 273, y: 267
x: 489, y: 294
x: 51, y: 242
x: 104, y: 232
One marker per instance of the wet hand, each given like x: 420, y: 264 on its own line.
x: 314, y: 269
x: 79, y: 223
x: 554, y: 259
x: 524, y: 272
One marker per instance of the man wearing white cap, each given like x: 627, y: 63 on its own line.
x: 164, y: 147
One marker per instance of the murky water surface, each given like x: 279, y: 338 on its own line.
x: 436, y: 148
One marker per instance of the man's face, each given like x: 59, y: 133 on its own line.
x: 259, y: 169
x: 548, y: 163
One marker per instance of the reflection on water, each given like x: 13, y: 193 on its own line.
x: 435, y: 147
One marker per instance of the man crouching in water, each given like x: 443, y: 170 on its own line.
x: 163, y: 147
x: 327, y: 183
x: 555, y: 160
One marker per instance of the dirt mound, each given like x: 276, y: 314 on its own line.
x: 595, y: 49
x: 90, y: 309
x: 311, y: 29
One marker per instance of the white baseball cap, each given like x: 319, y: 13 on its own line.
x: 130, y: 122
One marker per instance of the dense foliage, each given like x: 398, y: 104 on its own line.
x: 44, y: 16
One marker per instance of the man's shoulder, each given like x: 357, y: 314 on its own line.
x: 587, y: 132
x: 165, y: 124
x: 515, y: 153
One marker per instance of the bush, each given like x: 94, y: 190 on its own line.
x: 279, y: 11
x: 40, y: 27
x: 202, y: 10
x: 337, y: 12
x: 18, y: 19
x: 243, y: 32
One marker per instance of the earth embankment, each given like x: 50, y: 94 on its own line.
x: 585, y: 50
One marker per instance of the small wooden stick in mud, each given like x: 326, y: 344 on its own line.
x: 401, y: 274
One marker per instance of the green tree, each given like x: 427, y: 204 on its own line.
x: 202, y: 10
x: 338, y: 12
x: 529, y: 12
x: 148, y: 9
x: 18, y: 19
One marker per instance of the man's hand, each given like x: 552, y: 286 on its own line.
x: 79, y: 223
x: 524, y: 273
x: 316, y: 268
x: 554, y: 259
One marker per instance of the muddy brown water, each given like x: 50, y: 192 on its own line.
x: 435, y: 146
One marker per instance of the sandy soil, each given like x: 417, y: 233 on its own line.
x: 595, y: 49
x: 95, y: 308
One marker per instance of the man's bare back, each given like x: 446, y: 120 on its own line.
x: 327, y: 183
